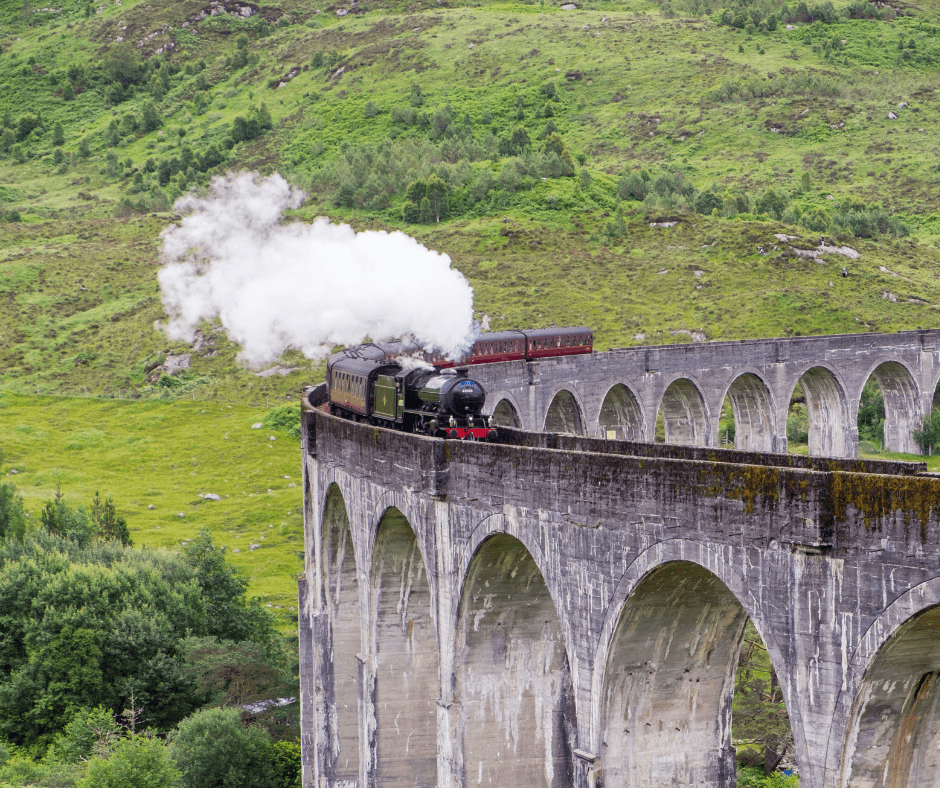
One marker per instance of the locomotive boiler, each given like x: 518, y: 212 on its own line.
x: 445, y: 403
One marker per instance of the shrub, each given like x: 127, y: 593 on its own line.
x: 285, y: 419
x: 213, y: 749
x: 137, y: 762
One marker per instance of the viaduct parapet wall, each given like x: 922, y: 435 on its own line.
x: 558, y: 610
x: 620, y: 392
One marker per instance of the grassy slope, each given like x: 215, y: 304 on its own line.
x: 78, y: 292
x: 168, y: 455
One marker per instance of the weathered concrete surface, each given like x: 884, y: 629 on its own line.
x: 619, y: 392
x: 574, y: 615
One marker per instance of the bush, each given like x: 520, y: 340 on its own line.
x: 137, y: 762
x: 214, y: 749
x: 285, y: 419
x: 754, y: 777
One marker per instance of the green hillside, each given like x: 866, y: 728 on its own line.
x: 561, y: 136
x: 660, y: 172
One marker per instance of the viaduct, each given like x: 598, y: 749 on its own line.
x: 567, y: 609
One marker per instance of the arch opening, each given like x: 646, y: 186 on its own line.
x: 684, y: 418
x: 406, y: 658
x: 341, y: 596
x: 889, y: 409
x: 564, y: 415
x: 505, y: 415
x: 671, y: 681
x: 818, y: 417
x: 751, y: 423
x: 893, y: 738
x: 620, y: 417
x: 513, y: 679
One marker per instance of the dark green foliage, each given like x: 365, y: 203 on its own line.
x: 754, y: 777
x: 228, y: 613
x: 227, y: 673
x: 108, y: 621
x: 516, y: 143
x: 108, y: 524
x: 122, y: 65
x: 771, y: 203
x: 58, y: 134
x: 257, y: 122
x: 150, y: 120
x: 214, y: 749
x: 760, y: 717
x: 26, y: 125
x: 286, y: 764
x: 426, y: 201
x: 89, y: 731
x: 708, y: 201
x: 285, y: 419
x: 12, y: 515
x: 871, y: 414
x: 135, y: 762
x: 928, y: 434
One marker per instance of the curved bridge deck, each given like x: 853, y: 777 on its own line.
x: 566, y: 611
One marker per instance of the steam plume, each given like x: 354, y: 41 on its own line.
x: 276, y: 286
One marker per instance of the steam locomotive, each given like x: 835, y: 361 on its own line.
x: 379, y: 383
x: 445, y: 403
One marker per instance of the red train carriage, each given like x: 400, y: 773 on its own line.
x: 519, y: 345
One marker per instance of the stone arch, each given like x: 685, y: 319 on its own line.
x: 403, y: 630
x: 832, y: 433
x: 621, y: 415
x: 564, y: 414
x: 887, y: 718
x: 903, y: 407
x: 753, y: 408
x: 340, y: 583
x: 685, y: 607
x: 517, y: 708
x: 506, y: 414
x: 685, y: 414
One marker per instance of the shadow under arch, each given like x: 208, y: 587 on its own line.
x: 621, y: 415
x: 830, y: 432
x: 664, y: 670
x: 340, y: 583
x: 564, y: 414
x: 685, y: 415
x: 753, y: 408
x: 891, y: 698
x: 403, y: 631
x: 902, y: 401
x: 517, y: 711
x: 505, y: 414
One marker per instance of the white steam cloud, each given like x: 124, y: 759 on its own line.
x: 277, y: 286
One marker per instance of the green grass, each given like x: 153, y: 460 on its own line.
x: 638, y: 85
x: 166, y: 455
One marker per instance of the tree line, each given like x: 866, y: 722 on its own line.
x: 122, y: 666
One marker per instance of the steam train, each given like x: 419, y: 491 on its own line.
x: 445, y: 403
x: 379, y: 382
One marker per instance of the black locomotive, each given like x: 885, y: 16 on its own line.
x: 369, y: 386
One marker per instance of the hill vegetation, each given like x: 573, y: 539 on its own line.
x: 625, y: 165
x: 658, y: 170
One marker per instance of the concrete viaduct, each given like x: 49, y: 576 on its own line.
x: 564, y: 610
x: 619, y: 393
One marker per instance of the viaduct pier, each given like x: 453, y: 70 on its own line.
x: 567, y: 610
